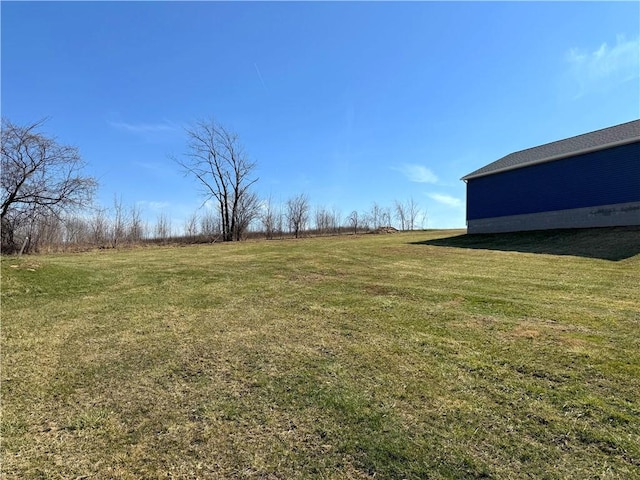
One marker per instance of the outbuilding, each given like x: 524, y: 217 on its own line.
x: 590, y: 180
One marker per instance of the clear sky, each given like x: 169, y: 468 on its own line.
x: 349, y: 103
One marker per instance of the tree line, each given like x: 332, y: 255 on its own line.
x: 47, y: 201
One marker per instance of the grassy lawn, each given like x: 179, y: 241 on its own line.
x: 377, y: 356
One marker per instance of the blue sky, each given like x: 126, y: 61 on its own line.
x: 350, y: 103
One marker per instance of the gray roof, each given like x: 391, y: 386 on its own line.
x: 607, y: 137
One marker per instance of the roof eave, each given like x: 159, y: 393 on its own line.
x: 553, y: 158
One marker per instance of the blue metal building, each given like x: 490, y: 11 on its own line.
x: 591, y: 180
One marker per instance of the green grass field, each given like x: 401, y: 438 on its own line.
x: 410, y: 355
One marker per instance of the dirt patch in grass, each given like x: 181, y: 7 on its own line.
x: 29, y: 265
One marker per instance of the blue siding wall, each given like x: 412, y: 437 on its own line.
x: 599, y: 178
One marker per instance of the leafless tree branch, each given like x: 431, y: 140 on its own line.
x: 40, y: 177
x: 217, y: 161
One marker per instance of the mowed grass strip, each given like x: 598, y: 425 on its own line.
x: 376, y: 356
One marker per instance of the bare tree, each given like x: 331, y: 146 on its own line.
x: 216, y: 159
x: 364, y: 219
x: 247, y: 211
x: 323, y: 220
x: 407, y: 213
x: 137, y: 226
x: 39, y: 177
x: 385, y: 216
x: 375, y: 215
x: 47, y: 231
x: 425, y: 220
x: 327, y: 220
x: 298, y: 214
x: 336, y: 220
x: 77, y: 230
x: 413, y: 211
x: 99, y: 227
x: 401, y: 214
x: 353, y: 221
x: 210, y: 225
x: 120, y: 223
x: 269, y: 218
x: 279, y: 224
x: 163, y: 227
x: 191, y: 226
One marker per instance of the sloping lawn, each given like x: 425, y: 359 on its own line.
x: 376, y: 356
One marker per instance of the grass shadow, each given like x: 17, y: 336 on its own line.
x: 615, y: 243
